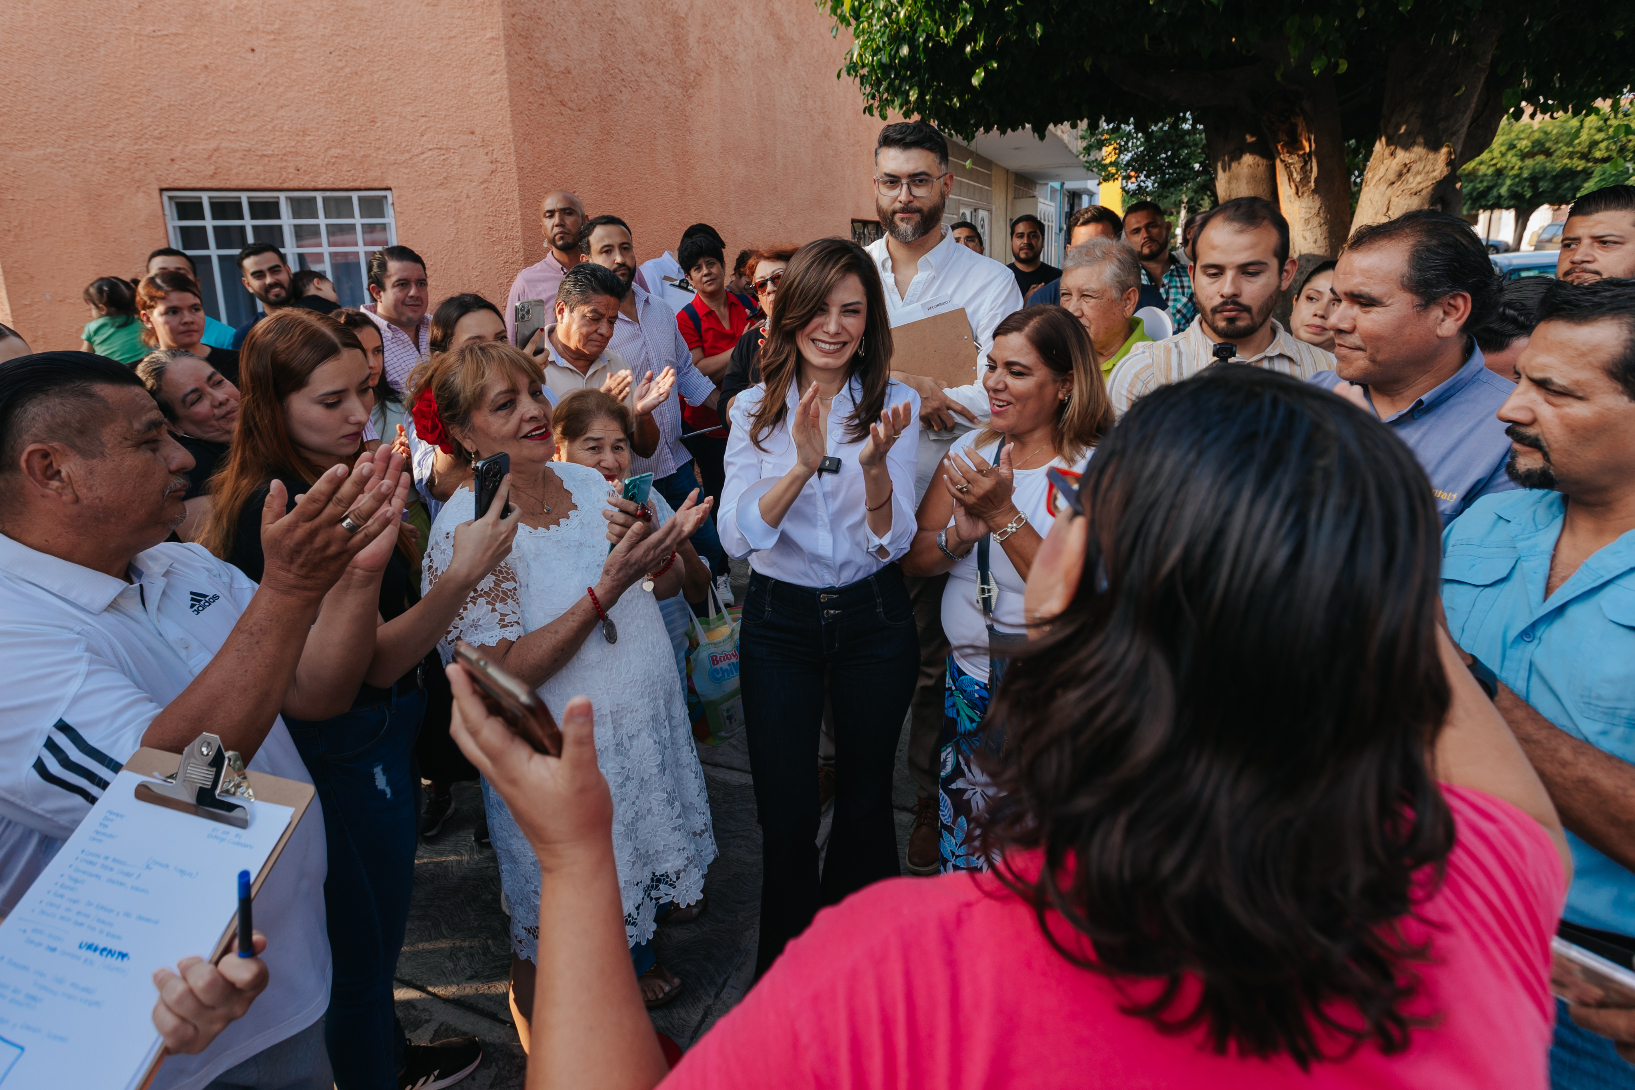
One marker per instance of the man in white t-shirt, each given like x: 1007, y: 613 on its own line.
x: 114, y: 640
x: 925, y: 272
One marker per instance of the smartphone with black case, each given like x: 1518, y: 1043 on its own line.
x: 528, y: 317
x: 489, y: 472
x: 507, y: 697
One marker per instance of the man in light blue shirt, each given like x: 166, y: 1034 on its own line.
x: 1411, y: 293
x: 1539, y: 586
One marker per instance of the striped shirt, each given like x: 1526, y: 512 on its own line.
x: 1159, y: 363
x: 651, y: 342
x: 401, y: 353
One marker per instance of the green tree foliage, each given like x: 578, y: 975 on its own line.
x: 1551, y: 160
x: 1166, y: 162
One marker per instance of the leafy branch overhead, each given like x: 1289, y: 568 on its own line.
x: 1277, y: 85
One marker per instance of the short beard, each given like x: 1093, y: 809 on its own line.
x: 1243, y: 328
x: 266, y: 302
x: 1541, y: 477
x: 930, y: 219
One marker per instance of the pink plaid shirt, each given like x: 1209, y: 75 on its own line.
x: 401, y: 353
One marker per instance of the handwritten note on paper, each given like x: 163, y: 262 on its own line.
x: 136, y: 887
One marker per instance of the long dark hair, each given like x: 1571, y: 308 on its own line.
x: 356, y: 320
x: 1219, y: 748
x: 812, y: 273
x: 448, y: 315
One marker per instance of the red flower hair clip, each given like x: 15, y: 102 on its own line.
x: 428, y: 425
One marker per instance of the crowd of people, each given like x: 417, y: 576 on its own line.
x: 1267, y: 684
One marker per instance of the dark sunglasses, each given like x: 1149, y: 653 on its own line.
x: 768, y: 281
x: 1062, y: 496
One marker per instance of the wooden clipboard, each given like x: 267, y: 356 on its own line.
x: 274, y: 789
x: 938, y: 347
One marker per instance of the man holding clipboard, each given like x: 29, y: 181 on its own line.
x: 117, y: 640
x: 929, y: 280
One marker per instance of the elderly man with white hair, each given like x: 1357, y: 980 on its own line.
x: 1101, y: 284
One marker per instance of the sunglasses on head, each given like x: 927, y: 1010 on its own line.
x: 1062, y: 495
x: 768, y: 282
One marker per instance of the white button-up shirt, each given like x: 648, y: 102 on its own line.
x: 91, y: 661
x: 824, y: 540
x: 402, y: 354
x: 951, y: 276
x: 651, y: 342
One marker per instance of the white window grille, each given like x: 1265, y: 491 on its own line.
x: 332, y: 232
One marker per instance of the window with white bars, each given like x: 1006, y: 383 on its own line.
x: 332, y: 232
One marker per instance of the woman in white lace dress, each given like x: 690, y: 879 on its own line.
x: 569, y: 616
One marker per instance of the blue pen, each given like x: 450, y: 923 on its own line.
x: 246, y: 940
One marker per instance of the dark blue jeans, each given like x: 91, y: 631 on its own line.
x: 361, y: 766
x: 863, y: 635
x: 674, y: 489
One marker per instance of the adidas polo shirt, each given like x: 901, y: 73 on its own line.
x: 90, y: 661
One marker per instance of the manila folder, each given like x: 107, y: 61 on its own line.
x: 938, y: 347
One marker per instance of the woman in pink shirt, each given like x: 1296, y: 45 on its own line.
x: 1258, y: 824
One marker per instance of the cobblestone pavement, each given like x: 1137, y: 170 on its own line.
x: 451, y: 978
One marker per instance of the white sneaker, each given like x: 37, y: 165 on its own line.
x: 723, y: 589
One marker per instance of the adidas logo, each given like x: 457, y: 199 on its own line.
x: 201, y: 602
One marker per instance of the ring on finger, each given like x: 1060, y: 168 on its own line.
x: 350, y: 525
x: 962, y: 488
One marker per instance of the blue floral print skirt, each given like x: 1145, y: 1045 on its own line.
x: 963, y: 789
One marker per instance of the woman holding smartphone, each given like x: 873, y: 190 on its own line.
x: 566, y: 615
x: 304, y: 400
x: 1047, y: 409
x: 819, y: 495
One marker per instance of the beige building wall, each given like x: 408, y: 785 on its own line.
x: 666, y: 113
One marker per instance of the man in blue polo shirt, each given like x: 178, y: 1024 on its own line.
x: 1412, y: 292
x: 1539, y: 586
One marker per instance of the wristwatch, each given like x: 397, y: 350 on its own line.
x: 942, y: 543
x: 1486, y: 678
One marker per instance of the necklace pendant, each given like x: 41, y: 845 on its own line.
x: 547, y: 507
x: 609, y: 633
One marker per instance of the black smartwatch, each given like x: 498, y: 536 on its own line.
x: 1486, y: 678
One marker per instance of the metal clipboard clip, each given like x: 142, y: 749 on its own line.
x: 206, y: 784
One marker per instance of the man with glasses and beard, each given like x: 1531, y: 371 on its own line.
x: 1412, y: 293
x: 926, y: 272
x: 1539, y: 591
x: 1243, y: 263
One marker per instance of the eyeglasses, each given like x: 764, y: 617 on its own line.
x: 918, y: 186
x: 768, y: 282
x: 1062, y: 495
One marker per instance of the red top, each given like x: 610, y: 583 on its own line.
x: 948, y: 983
x: 702, y: 329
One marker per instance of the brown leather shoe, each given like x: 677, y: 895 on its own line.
x: 924, y: 851
x: 826, y: 787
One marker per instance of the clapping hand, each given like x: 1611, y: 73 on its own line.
x: 882, y: 435
x: 400, y: 445
x: 981, y: 491
x: 641, y: 547
x: 653, y: 391
x: 617, y: 384
x: 806, y: 429
x: 372, y: 558
x: 307, y: 549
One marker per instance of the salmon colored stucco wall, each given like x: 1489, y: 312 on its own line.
x: 665, y: 112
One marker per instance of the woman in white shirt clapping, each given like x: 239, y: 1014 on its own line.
x: 819, y: 495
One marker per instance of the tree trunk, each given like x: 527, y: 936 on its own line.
x: 1240, y: 154
x: 1436, y: 118
x: 1519, y: 228
x: 1312, y: 184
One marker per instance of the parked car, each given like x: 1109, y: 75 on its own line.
x: 1498, y: 245
x: 1516, y: 266
x: 1548, y: 237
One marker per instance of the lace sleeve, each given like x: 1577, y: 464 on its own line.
x: 492, y: 613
